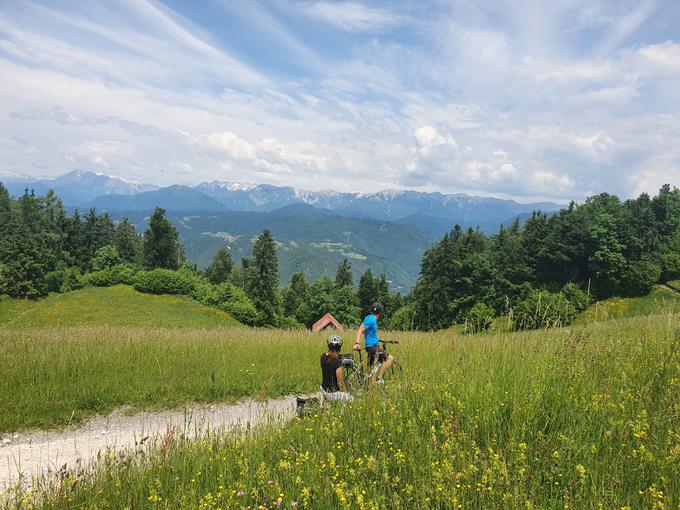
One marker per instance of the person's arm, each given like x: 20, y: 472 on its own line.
x: 360, y: 332
x: 340, y: 376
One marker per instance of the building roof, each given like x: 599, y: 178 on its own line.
x: 327, y: 321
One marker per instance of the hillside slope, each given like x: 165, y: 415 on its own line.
x: 308, y: 239
x: 111, y: 306
x: 658, y: 301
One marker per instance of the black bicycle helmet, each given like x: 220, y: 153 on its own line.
x: 377, y: 308
x: 334, y: 342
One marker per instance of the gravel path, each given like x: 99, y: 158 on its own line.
x: 43, y: 453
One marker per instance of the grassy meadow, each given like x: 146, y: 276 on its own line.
x: 658, y: 301
x: 120, y: 305
x: 581, y: 417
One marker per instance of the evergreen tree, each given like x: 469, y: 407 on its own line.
x: 324, y: 297
x: 368, y: 292
x: 343, y: 277
x: 5, y: 209
x: 161, y: 245
x: 265, y: 278
x: 295, y: 296
x: 221, y: 267
x: 105, y: 231
x: 126, y: 241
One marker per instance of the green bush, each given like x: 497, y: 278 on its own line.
x: 402, y: 319
x: 577, y: 296
x: 285, y: 322
x: 639, y: 276
x: 479, y: 318
x: 166, y: 281
x: 105, y: 257
x: 670, y: 266
x: 243, y: 311
x: 115, y: 275
x: 544, y: 309
x: 64, y: 279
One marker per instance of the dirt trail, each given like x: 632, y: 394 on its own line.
x: 24, y: 456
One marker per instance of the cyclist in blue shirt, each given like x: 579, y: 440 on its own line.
x: 369, y: 328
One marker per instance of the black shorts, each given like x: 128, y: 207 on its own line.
x: 374, y: 351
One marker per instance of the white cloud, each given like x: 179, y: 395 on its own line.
x: 466, y: 102
x: 232, y: 145
x: 352, y: 16
x: 427, y: 138
x: 547, y: 181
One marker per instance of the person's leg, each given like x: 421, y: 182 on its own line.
x: 385, y: 366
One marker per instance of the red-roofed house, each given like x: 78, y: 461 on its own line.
x: 326, y: 322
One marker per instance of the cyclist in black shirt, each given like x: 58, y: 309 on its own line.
x: 333, y: 381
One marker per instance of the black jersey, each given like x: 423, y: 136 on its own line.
x: 328, y: 367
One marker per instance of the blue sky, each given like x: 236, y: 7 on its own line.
x: 515, y: 98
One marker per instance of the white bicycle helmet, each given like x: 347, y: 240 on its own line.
x: 334, y: 342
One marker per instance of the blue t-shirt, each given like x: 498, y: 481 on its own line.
x: 371, y: 333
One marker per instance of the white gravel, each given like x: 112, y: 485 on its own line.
x: 25, y: 457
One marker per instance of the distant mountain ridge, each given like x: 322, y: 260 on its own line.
x: 76, y: 187
x: 432, y: 212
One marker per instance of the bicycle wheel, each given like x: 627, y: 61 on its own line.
x: 354, y: 378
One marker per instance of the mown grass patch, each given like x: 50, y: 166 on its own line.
x: 658, y: 301
x: 120, y: 305
x: 574, y: 418
x: 674, y: 284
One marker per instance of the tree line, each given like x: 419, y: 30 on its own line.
x: 544, y: 272
x: 538, y: 274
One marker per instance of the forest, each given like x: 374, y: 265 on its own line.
x: 538, y: 274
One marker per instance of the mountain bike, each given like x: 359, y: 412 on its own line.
x: 357, y: 377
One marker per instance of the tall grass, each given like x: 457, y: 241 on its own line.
x: 574, y: 418
x: 56, y: 376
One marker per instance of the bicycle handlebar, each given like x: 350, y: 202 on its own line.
x: 388, y: 342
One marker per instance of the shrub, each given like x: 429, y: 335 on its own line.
x: 166, y: 281
x: 479, y: 318
x: 64, y: 279
x: 670, y: 266
x: 105, y: 257
x: 285, y: 322
x: 544, y: 309
x: 639, y: 276
x: 115, y: 275
x: 243, y: 311
x: 402, y: 319
x: 576, y: 296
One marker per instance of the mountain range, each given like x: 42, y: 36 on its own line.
x: 434, y: 213
x: 387, y: 231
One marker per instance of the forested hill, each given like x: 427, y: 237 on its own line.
x: 308, y: 240
x: 543, y: 273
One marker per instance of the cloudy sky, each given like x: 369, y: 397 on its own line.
x: 517, y: 98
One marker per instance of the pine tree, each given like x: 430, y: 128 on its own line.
x: 5, y: 208
x: 265, y: 278
x: 368, y: 292
x: 343, y: 277
x: 161, y: 245
x: 126, y: 241
x: 221, y: 267
x: 295, y: 295
x: 105, y: 231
